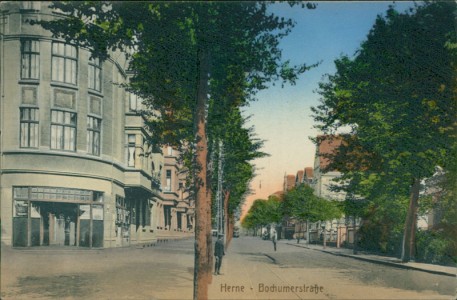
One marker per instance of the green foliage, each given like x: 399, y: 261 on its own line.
x: 300, y: 203
x: 170, y: 43
x: 397, y: 94
x: 262, y: 213
x: 382, y: 225
x: 241, y: 42
x: 433, y: 247
x: 239, y: 148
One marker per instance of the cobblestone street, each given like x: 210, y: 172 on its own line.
x: 250, y: 270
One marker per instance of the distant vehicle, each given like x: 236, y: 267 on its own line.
x: 236, y: 234
x: 214, y: 232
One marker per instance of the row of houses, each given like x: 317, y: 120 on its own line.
x: 341, y: 231
x: 320, y: 178
x: 76, y: 165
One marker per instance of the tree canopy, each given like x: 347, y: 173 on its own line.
x: 183, y: 54
x: 302, y: 204
x: 397, y: 94
x: 262, y: 213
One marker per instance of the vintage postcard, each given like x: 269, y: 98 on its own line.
x: 228, y: 150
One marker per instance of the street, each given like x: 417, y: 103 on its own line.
x: 251, y: 269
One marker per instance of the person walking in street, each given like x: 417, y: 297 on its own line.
x: 273, y: 238
x: 219, y: 252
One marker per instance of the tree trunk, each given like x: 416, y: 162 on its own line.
x: 209, y: 227
x: 203, y: 255
x: 408, y: 245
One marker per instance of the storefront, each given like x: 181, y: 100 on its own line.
x: 48, y: 216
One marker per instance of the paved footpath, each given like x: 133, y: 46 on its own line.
x: 385, y: 260
x: 247, y: 274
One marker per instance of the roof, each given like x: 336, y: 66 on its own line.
x: 289, y: 182
x: 327, y: 145
x: 299, y: 177
x: 309, y: 171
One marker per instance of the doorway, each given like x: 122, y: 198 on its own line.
x: 55, y: 223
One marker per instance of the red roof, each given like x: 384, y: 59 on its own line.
x: 289, y: 182
x: 299, y: 178
x: 327, y: 145
x: 309, y: 173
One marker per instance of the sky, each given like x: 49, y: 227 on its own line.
x: 282, y: 116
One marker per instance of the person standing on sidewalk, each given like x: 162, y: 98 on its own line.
x: 273, y: 239
x: 219, y: 252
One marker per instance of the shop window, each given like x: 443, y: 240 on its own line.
x: 64, y: 63
x: 63, y: 130
x: 29, y: 127
x: 20, y: 208
x: 93, y: 135
x: 122, y: 211
x: 95, y: 74
x: 147, y: 220
x: 30, y: 59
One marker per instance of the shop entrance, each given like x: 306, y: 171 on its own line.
x: 58, y: 222
x: 49, y: 216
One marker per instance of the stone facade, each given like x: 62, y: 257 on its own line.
x: 76, y: 165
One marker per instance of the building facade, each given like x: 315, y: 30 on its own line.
x: 76, y: 165
x: 334, y: 231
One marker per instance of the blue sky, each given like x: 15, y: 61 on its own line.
x: 282, y: 116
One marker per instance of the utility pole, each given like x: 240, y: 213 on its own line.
x: 219, y: 193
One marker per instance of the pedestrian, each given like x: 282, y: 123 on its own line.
x: 219, y: 252
x: 273, y: 239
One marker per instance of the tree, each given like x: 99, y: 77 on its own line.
x: 398, y: 96
x: 182, y: 53
x: 301, y: 204
x: 239, y: 148
x: 262, y: 213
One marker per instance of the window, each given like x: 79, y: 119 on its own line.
x: 170, y: 151
x: 63, y: 130
x: 31, y: 5
x: 64, y: 61
x: 168, y: 181
x: 122, y: 211
x: 93, y: 135
x: 131, y: 150
x: 95, y: 74
x: 135, y: 102
x: 29, y: 127
x: 30, y: 59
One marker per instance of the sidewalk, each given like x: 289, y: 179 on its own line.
x: 384, y: 260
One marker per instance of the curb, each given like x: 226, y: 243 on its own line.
x: 270, y: 257
x: 380, y: 262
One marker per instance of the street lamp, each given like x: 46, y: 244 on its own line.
x: 324, y: 233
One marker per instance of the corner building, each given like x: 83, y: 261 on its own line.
x: 76, y: 167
